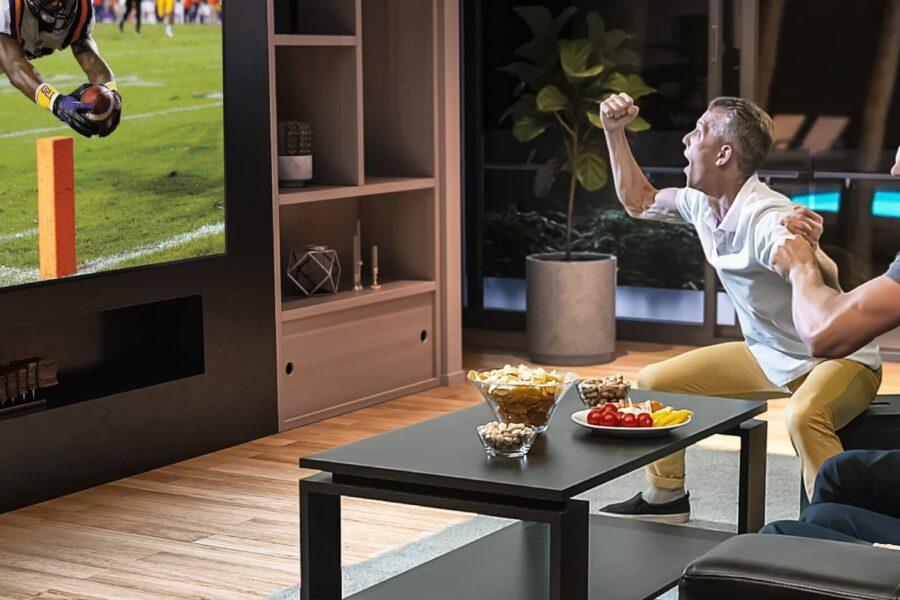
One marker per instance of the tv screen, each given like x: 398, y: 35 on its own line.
x: 111, y: 135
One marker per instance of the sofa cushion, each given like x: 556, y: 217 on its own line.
x: 779, y: 567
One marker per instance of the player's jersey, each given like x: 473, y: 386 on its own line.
x: 36, y: 38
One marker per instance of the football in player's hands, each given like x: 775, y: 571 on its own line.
x: 107, y: 106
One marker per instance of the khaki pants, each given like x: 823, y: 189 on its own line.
x: 823, y: 400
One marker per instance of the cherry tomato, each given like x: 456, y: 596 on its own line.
x: 629, y: 420
x: 609, y: 419
x: 594, y: 417
x: 644, y: 420
x: 609, y: 407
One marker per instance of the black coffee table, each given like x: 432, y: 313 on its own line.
x: 560, y: 552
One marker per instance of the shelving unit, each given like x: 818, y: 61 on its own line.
x: 365, y: 75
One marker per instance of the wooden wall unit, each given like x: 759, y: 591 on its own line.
x: 373, y: 78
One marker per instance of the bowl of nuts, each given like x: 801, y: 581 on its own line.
x: 511, y: 440
x: 594, y: 391
x: 523, y: 394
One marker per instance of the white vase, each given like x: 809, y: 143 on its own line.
x: 295, y: 170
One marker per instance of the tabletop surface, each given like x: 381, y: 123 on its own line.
x: 563, y: 462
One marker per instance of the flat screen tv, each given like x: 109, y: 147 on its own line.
x: 136, y: 85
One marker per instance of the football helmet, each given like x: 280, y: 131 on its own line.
x: 58, y: 14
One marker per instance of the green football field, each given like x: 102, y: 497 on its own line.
x: 153, y: 191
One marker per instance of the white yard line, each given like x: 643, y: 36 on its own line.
x: 149, y: 115
x: 8, y: 237
x: 15, y: 276
x: 105, y: 263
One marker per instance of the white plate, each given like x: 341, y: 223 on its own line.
x: 580, y: 417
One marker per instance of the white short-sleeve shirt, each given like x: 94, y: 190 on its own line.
x: 740, y: 249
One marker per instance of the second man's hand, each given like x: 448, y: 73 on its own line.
x: 793, y: 253
x: 805, y: 223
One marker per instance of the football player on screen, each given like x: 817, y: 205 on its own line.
x: 31, y: 29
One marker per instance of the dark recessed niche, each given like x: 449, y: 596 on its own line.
x: 109, y: 352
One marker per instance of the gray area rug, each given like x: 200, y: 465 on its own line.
x: 711, y: 478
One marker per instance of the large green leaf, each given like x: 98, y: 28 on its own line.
x: 639, y: 124
x: 574, y: 55
x: 590, y: 165
x: 594, y: 117
x: 525, y: 105
x: 538, y: 18
x: 596, y: 29
x: 623, y: 57
x: 636, y: 87
x: 617, y: 83
x: 615, y: 38
x: 530, y: 127
x: 546, y: 175
x: 541, y: 50
x: 551, y: 99
x: 597, y: 37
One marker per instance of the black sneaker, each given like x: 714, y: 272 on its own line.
x: 676, y: 511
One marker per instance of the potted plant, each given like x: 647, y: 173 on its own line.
x: 570, y: 295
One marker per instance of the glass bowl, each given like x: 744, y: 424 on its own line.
x: 531, y: 404
x: 506, y: 441
x: 595, y: 391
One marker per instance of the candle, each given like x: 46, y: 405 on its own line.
x: 355, y: 251
x: 374, y: 257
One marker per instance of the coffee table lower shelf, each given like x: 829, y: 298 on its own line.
x: 629, y: 560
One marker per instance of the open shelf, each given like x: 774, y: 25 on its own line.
x: 293, y: 307
x: 371, y: 187
x: 318, y: 85
x: 315, y: 40
x: 398, y: 87
x: 316, y: 17
x: 113, y: 351
x: 519, y: 562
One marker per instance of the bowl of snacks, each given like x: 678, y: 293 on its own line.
x: 511, y: 440
x: 645, y: 419
x: 523, y: 394
x: 595, y: 391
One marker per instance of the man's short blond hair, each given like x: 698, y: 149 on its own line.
x: 747, y: 127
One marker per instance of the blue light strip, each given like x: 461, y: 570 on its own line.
x: 885, y: 203
x: 820, y: 202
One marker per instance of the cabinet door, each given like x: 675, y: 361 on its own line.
x: 348, y: 356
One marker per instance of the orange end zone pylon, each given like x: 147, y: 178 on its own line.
x: 56, y: 206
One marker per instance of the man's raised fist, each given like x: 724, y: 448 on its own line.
x: 617, y: 111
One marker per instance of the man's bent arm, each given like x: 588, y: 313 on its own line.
x: 93, y: 65
x: 20, y: 72
x: 833, y: 324
x: 640, y: 199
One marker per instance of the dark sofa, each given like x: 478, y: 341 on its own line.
x: 779, y: 567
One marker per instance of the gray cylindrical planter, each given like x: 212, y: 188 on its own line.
x: 571, y: 308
